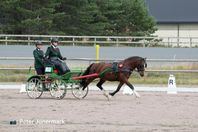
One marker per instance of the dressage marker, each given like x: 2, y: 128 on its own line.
x: 172, y: 89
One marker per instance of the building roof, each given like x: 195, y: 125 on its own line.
x: 174, y: 11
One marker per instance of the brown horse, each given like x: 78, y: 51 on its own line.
x: 121, y: 72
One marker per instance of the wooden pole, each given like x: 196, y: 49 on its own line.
x: 97, y: 52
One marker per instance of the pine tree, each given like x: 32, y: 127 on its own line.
x: 67, y: 20
x: 93, y: 22
x: 29, y: 16
x: 135, y: 19
x: 127, y: 17
x: 36, y: 16
x: 76, y: 17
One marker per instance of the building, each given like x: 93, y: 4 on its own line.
x: 175, y: 18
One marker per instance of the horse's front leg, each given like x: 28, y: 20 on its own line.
x: 118, y: 89
x: 131, y: 86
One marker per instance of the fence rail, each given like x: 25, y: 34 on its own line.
x: 110, y: 60
x: 144, y: 41
x: 90, y: 59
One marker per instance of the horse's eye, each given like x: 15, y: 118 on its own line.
x: 141, y: 67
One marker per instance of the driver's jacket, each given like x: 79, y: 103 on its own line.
x: 53, y: 52
x: 55, y: 57
x: 38, y: 58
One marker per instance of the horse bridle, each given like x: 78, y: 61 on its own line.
x: 140, y: 68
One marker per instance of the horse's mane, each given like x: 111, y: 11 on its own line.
x: 133, y: 58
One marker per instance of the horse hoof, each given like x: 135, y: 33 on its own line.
x: 106, y: 94
x: 109, y: 97
x: 136, y: 94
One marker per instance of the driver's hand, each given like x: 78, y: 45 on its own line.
x: 45, y: 59
x: 64, y: 58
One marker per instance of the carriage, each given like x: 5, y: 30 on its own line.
x: 56, y: 84
x: 77, y: 80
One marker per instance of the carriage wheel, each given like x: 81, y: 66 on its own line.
x: 78, y: 92
x: 58, y: 89
x: 34, y: 88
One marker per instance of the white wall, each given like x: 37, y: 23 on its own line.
x: 166, y: 30
x: 171, y: 30
x: 181, y: 30
x: 188, y: 30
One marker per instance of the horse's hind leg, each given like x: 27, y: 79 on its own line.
x: 87, y: 82
x: 99, y: 85
x: 118, y: 89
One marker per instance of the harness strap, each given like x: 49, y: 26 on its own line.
x: 115, y: 69
x: 103, y: 72
x: 115, y: 66
x: 126, y: 70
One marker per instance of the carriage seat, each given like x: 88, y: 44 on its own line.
x: 49, y: 64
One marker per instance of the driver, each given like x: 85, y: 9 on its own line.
x: 55, y: 57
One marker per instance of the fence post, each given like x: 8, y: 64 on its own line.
x: 117, y: 42
x: 178, y: 41
x: 28, y: 40
x: 94, y: 41
x: 6, y: 38
x: 190, y: 42
x: 73, y: 39
x: 144, y: 42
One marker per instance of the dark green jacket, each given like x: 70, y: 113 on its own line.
x: 38, y: 58
x: 53, y: 52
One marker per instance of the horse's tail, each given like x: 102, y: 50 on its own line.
x: 85, y: 73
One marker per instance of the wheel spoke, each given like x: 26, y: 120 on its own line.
x: 34, y: 88
x: 78, y: 92
x: 58, y: 89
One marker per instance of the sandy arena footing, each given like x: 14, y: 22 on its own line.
x: 153, y: 112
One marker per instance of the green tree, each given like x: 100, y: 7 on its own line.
x: 67, y: 20
x: 127, y: 17
x: 76, y: 17
x: 92, y: 20
x: 110, y: 9
x: 36, y: 16
x: 29, y: 16
x: 135, y: 19
x: 7, y: 19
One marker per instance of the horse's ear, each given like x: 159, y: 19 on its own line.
x: 145, y: 62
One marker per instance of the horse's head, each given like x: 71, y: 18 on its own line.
x: 141, y: 65
x: 138, y: 63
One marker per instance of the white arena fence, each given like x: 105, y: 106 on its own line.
x: 154, y: 66
x: 145, y: 41
x: 152, y: 62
